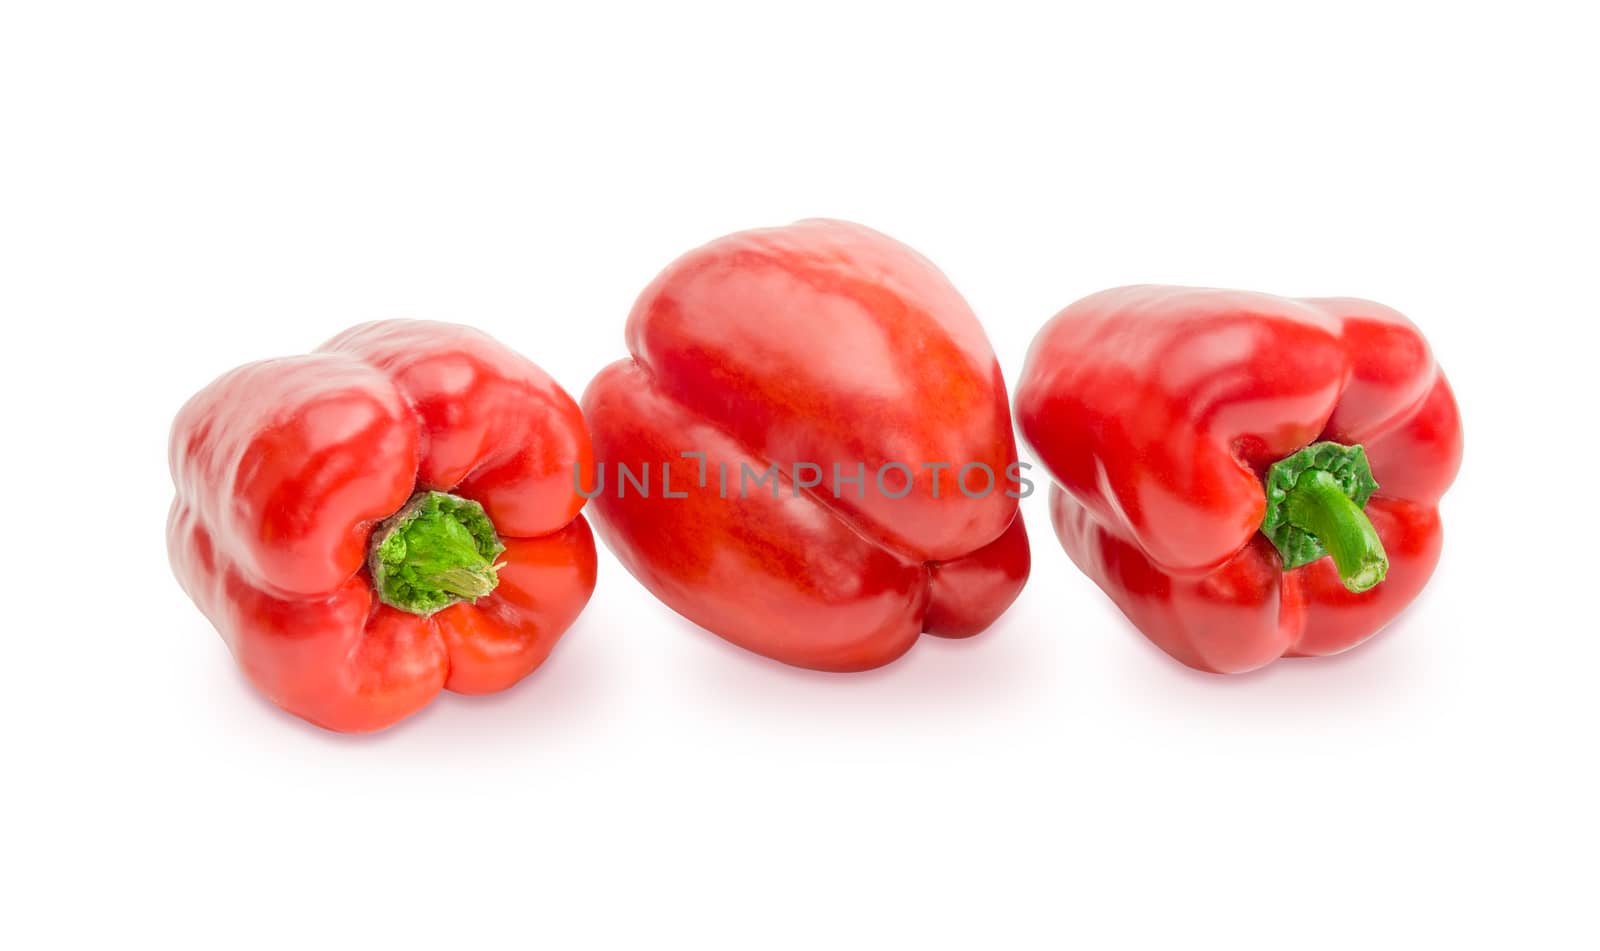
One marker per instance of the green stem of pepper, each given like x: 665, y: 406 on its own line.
x: 436, y: 551
x: 1317, y: 504
x: 1315, y: 501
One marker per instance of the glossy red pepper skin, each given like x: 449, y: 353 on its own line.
x: 823, y: 342
x: 282, y: 468
x: 1157, y: 410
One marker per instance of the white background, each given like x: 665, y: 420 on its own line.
x: 187, y: 187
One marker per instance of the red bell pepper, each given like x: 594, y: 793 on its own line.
x: 388, y: 516
x: 846, y: 363
x: 1214, y: 454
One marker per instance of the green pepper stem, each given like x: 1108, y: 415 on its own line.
x: 467, y: 581
x: 436, y: 551
x: 1320, y: 506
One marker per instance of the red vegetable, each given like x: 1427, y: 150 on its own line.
x: 391, y: 515
x: 825, y: 349
x: 1210, y: 449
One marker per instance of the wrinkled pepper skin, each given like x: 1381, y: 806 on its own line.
x: 821, y: 342
x: 282, y: 468
x: 1157, y: 410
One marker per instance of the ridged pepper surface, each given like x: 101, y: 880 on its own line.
x: 1246, y: 476
x: 387, y: 517
x: 807, y: 347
